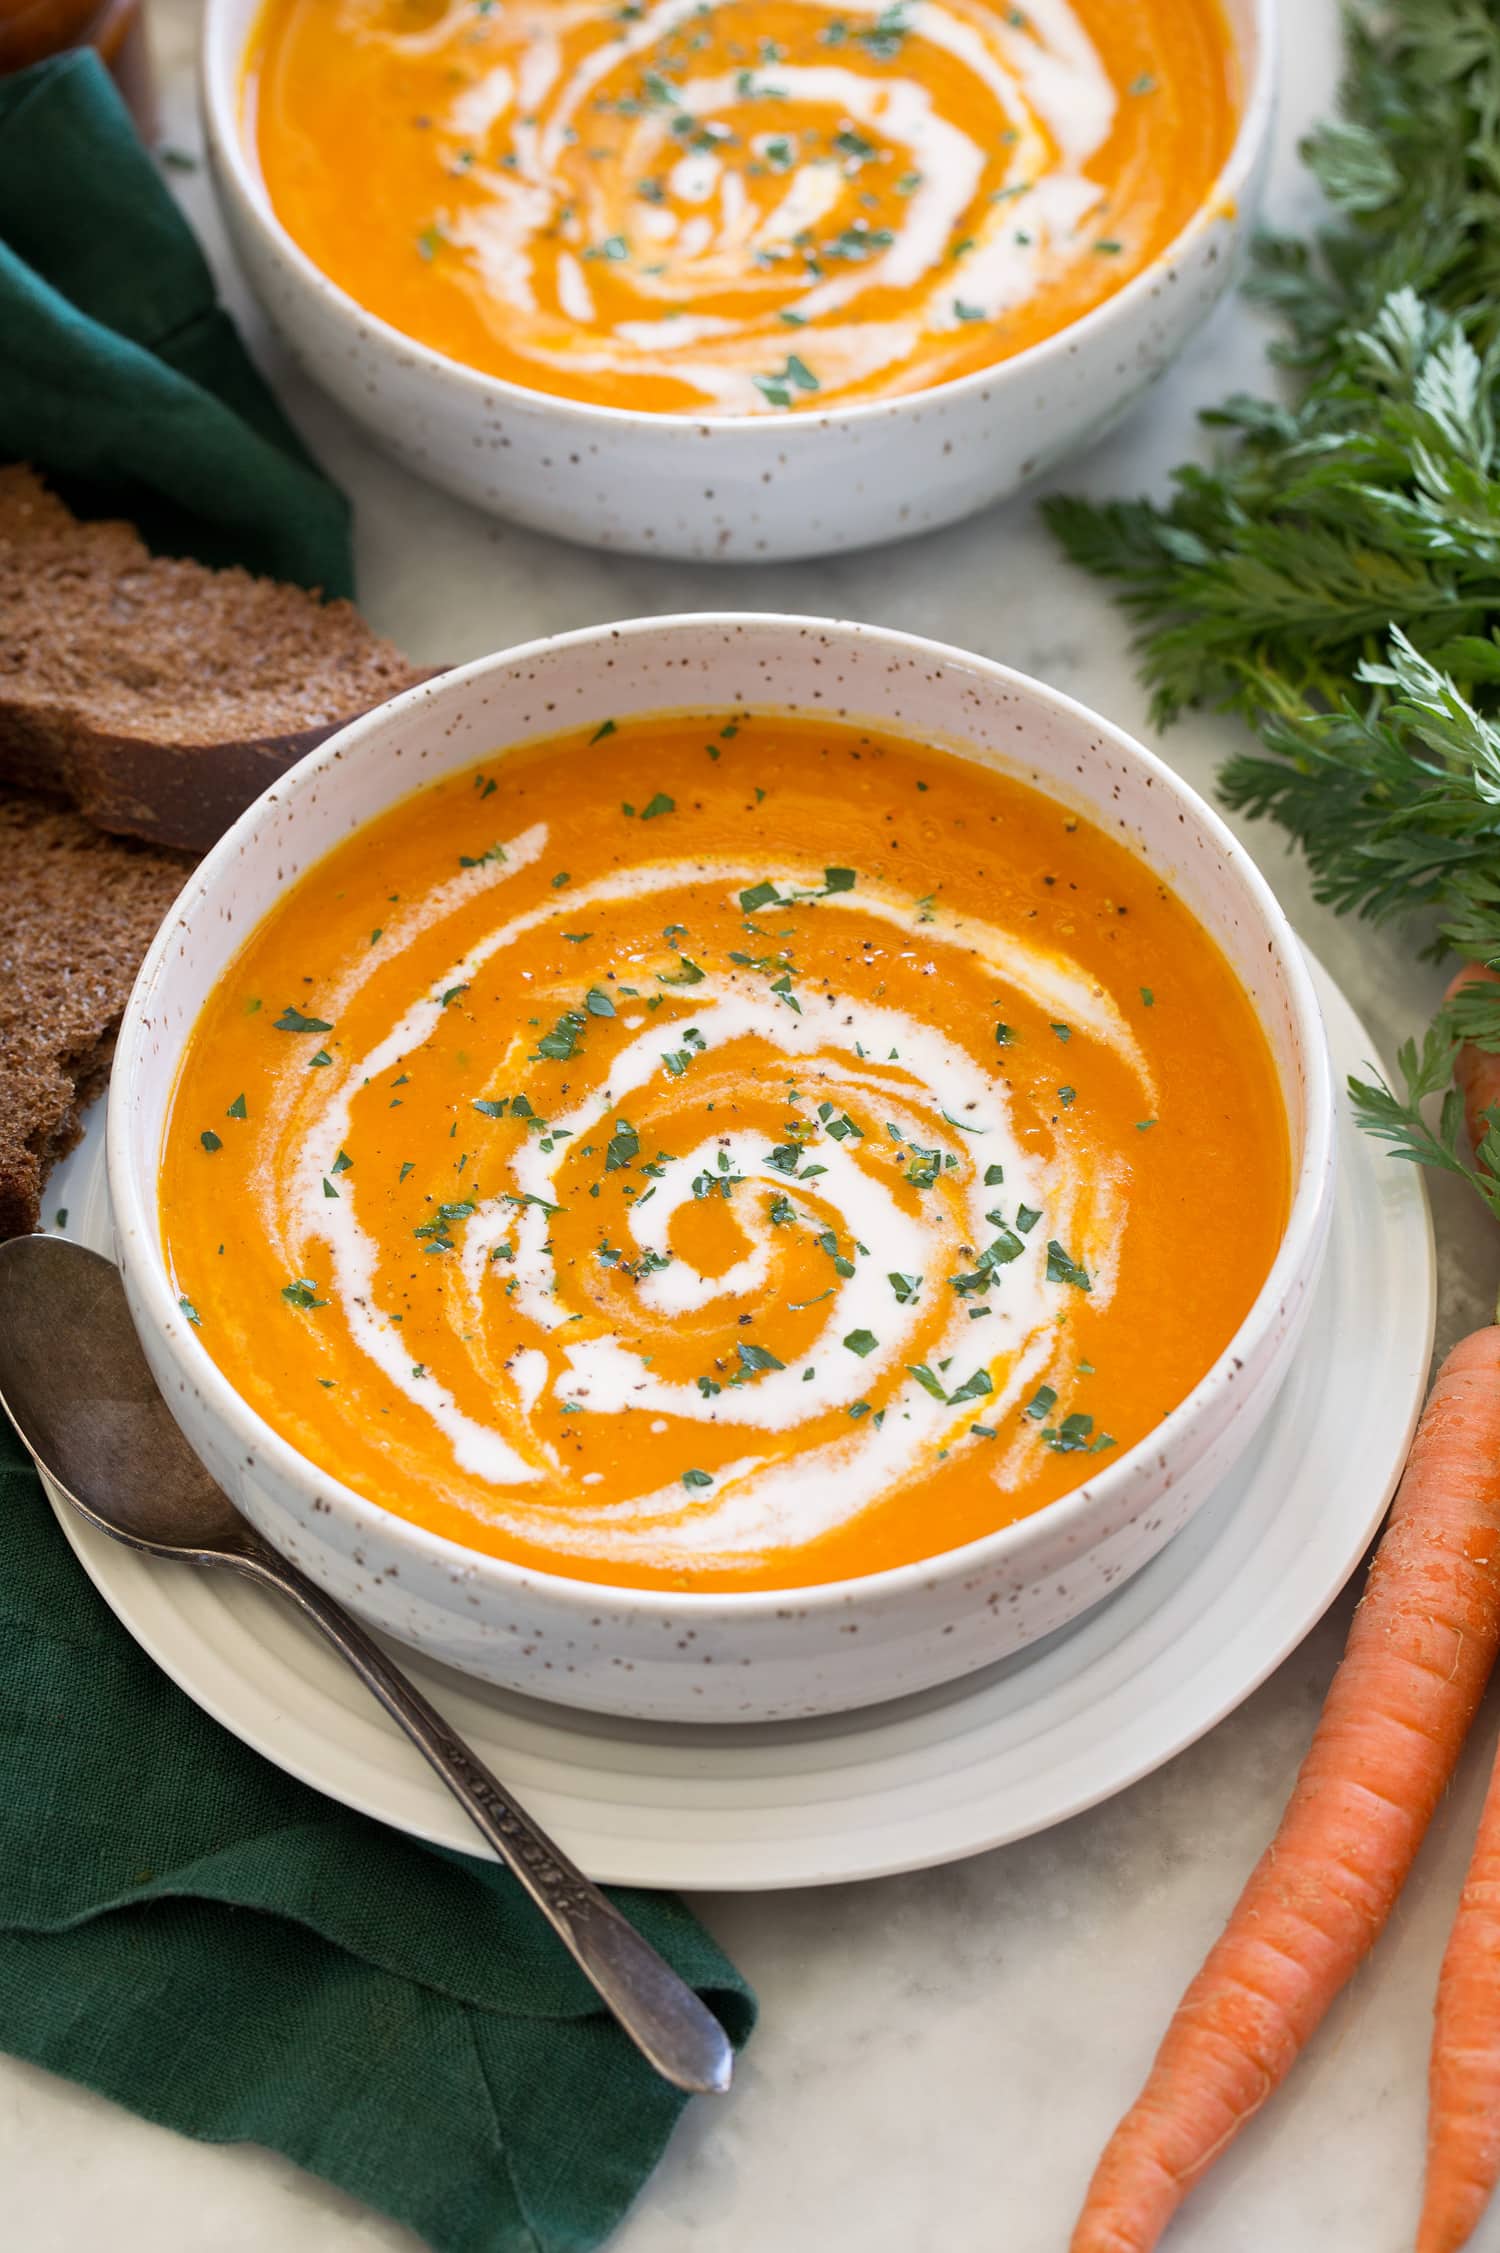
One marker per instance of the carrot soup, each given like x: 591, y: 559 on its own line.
x: 723, y: 1150
x: 737, y: 206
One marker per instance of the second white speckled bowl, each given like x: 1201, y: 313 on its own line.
x: 740, y: 488
x: 717, y: 1657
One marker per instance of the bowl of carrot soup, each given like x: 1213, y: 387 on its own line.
x: 752, y: 278
x: 723, y: 1167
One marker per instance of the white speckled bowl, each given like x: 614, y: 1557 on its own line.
x: 741, y: 488
x: 722, y: 1657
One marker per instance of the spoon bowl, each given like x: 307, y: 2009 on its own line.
x: 105, y: 1436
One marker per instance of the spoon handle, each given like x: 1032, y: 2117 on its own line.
x: 663, y: 2017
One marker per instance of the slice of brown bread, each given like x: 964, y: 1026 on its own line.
x: 157, y: 695
x: 77, y: 912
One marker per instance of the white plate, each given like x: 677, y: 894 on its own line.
x: 973, y: 1765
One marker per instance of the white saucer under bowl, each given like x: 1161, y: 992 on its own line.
x: 985, y: 1760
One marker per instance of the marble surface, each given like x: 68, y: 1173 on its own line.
x: 940, y: 2056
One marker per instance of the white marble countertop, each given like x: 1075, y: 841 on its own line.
x: 940, y: 2056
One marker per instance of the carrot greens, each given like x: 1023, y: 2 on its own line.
x: 1334, y: 576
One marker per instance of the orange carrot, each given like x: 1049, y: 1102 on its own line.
x: 1476, y: 1071
x: 1463, y: 2094
x: 1420, y: 1649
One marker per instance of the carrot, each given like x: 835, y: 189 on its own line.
x: 1463, y: 2083
x: 1476, y: 1071
x: 1420, y: 1648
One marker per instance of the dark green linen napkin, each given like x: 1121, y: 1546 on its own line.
x: 121, y: 377
x: 215, y: 1946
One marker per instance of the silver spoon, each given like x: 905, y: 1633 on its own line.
x: 76, y: 1383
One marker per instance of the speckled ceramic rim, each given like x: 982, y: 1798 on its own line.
x: 134, y: 1199
x: 222, y: 67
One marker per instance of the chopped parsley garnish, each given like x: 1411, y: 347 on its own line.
x: 1041, y: 1403
x: 862, y: 1342
x: 723, y: 1183
x: 1148, y: 997
x: 976, y: 1387
x: 319, y: 1060
x: 495, y: 852
x: 884, y: 37
x: 687, y: 973
x: 237, y: 1109
x: 755, y: 1358
x: 605, y: 727
x: 1003, y: 1036
x: 829, y: 1243
x: 560, y: 1046
x: 190, y: 1311
x: 343, y: 1163
x: 777, y: 388
x: 677, y: 1060
x: 302, y: 1292
x: 1062, y: 1269
x: 210, y: 1140
x: 692, y: 1479
x: 597, y: 1002
x: 924, y: 1166
x: 292, y: 1021
x: 905, y: 1287
x: 491, y: 1107
x: 1074, y: 1435
x: 994, y: 1176
x: 1027, y: 1217
x: 624, y: 1145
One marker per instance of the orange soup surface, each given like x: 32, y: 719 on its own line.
x: 737, y: 206
x: 723, y: 1151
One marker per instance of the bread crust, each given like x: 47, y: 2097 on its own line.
x: 77, y: 912
x: 158, y: 696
